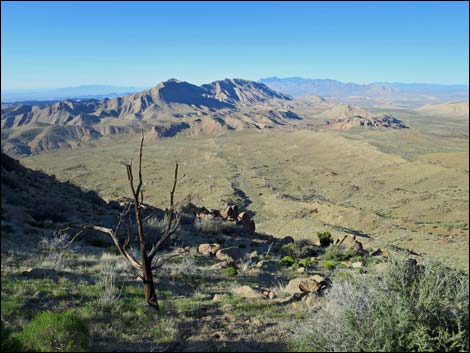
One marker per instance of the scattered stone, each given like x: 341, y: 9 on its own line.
x: 248, y: 292
x: 349, y: 242
x: 253, y: 255
x: 301, y: 269
x: 380, y: 252
x: 229, y: 254
x: 222, y: 265
x: 309, y: 285
x: 293, y: 285
x: 260, y: 263
x: 208, y: 249
x: 314, y: 284
x: 230, y: 213
x: 218, y: 298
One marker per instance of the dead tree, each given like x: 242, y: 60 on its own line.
x: 146, y: 264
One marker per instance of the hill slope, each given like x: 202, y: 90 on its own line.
x: 168, y: 109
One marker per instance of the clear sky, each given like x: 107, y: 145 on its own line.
x: 60, y: 44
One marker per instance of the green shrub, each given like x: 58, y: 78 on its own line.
x: 334, y: 253
x: 329, y: 264
x: 287, y: 261
x: 325, y: 238
x: 305, y: 262
x: 230, y: 271
x: 9, y: 342
x: 403, y: 308
x: 56, y: 332
x: 298, y: 250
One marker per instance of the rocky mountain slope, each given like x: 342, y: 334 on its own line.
x: 170, y: 108
x: 298, y: 86
x: 345, y: 117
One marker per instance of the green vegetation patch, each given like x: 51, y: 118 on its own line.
x: 56, y: 332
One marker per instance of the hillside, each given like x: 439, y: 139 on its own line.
x: 450, y: 109
x: 170, y: 108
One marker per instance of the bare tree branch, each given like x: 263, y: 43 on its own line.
x: 171, y: 228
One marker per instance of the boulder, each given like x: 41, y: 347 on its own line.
x: 380, y: 252
x: 205, y: 216
x: 310, y: 300
x: 248, y: 225
x: 314, y: 284
x: 230, y: 213
x: 229, y: 254
x: 210, y: 249
x: 284, y: 241
x: 221, y: 265
x: 248, y: 292
x: 349, y: 242
x: 309, y: 285
x: 254, y: 255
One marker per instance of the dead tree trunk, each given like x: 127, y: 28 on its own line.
x: 145, y: 266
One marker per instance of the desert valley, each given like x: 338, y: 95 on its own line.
x: 163, y: 191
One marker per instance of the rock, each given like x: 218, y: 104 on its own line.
x: 271, y: 295
x: 218, y: 336
x: 349, y: 242
x: 205, y: 216
x: 248, y: 292
x: 301, y: 269
x: 218, y: 298
x: 284, y: 241
x: 242, y: 216
x: 380, y: 252
x: 210, y: 249
x: 309, y: 285
x: 248, y: 225
x: 310, y: 300
x: 260, y: 263
x: 357, y: 264
x: 253, y: 255
x: 221, y: 265
x: 314, y: 284
x: 320, y: 280
x: 293, y: 285
x: 229, y: 254
x: 230, y: 213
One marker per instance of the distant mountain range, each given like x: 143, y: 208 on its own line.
x: 54, y: 94
x: 298, y: 86
x: 171, y: 107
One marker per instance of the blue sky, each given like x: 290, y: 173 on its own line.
x: 60, y: 44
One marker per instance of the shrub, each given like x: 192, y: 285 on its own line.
x: 334, y: 253
x: 298, y: 250
x: 9, y: 342
x: 325, y: 238
x: 230, y: 271
x: 305, y: 262
x: 56, y: 332
x: 406, y: 307
x: 287, y: 261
